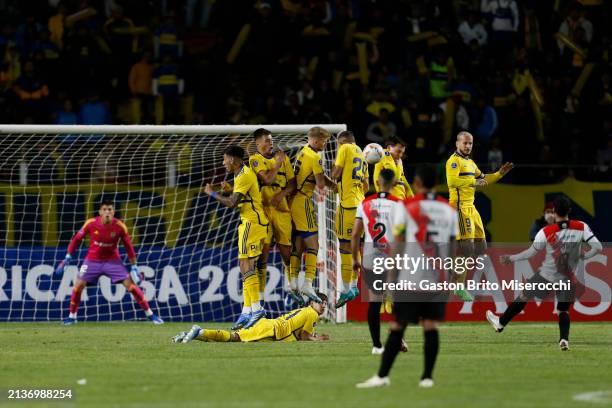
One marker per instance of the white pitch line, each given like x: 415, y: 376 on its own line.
x: 597, y: 397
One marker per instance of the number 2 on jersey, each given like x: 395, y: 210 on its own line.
x: 358, y: 169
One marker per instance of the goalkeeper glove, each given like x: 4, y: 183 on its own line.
x: 59, y: 271
x: 134, y: 274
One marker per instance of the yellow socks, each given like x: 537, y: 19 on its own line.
x: 346, y: 267
x: 311, y: 264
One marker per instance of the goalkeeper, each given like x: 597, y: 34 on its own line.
x: 103, y: 258
x: 297, y: 325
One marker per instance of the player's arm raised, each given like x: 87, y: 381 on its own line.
x: 539, y: 243
x: 495, y: 177
x: 232, y: 201
x: 267, y: 177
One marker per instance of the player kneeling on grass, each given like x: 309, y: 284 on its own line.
x: 103, y: 258
x: 298, y: 325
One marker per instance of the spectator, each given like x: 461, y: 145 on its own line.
x: 32, y: 92
x: 547, y: 218
x: 94, y: 111
x: 572, y: 22
x: 382, y: 129
x: 472, y: 30
x: 56, y: 26
x: 169, y: 85
x: 604, y: 160
x: 141, y: 86
x: 486, y: 121
x: 166, y: 40
x: 505, y: 20
x: 66, y: 115
x: 495, y: 156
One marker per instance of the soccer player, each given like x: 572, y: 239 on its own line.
x: 277, y: 181
x: 298, y: 325
x: 252, y: 231
x: 393, y: 160
x: 462, y: 177
x: 563, y: 242
x: 423, y: 221
x: 103, y: 259
x: 350, y: 171
x: 309, y: 173
x: 374, y: 221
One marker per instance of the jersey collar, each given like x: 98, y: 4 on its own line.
x: 458, y: 153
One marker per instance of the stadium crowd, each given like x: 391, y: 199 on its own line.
x: 530, y: 79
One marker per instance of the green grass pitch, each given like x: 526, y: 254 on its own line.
x: 136, y: 365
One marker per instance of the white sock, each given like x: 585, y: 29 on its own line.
x: 354, y: 284
x: 246, y: 309
x: 308, y: 285
x: 256, y: 306
x: 149, y: 312
x: 293, y: 283
x: 261, y: 295
x: 72, y: 315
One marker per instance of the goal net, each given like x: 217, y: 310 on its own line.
x: 53, y: 178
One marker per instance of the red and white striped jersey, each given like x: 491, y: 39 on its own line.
x: 563, y: 243
x: 429, y: 225
x: 377, y: 212
x: 427, y: 218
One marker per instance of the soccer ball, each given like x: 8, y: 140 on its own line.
x: 373, y: 153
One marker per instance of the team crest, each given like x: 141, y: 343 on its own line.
x: 96, y: 232
x: 255, y: 163
x: 113, y: 234
x: 453, y: 165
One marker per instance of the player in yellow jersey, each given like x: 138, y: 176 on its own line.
x: 277, y: 181
x: 252, y: 231
x: 393, y: 160
x: 462, y: 177
x: 297, y: 325
x: 308, y: 168
x: 351, y: 172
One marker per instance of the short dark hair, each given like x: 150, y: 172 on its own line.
x: 107, y: 202
x: 387, y: 175
x: 234, y: 151
x: 394, y: 140
x: 427, y: 174
x: 261, y: 132
x: 322, y: 296
x: 346, y: 134
x: 563, y: 205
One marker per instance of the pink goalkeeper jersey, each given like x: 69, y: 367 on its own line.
x: 104, y: 240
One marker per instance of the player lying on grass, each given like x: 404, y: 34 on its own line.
x: 298, y: 325
x: 563, y: 242
x: 103, y: 259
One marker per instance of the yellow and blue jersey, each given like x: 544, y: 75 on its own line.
x: 354, y: 172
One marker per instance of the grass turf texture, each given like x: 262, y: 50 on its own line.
x: 136, y: 365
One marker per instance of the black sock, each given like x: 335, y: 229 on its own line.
x: 394, y: 343
x: 430, y: 349
x: 374, y: 323
x: 512, y: 310
x: 564, y: 325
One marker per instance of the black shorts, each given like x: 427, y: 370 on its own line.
x: 369, y: 277
x: 413, y: 312
x: 563, y: 296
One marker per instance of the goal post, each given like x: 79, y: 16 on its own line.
x: 52, y: 178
